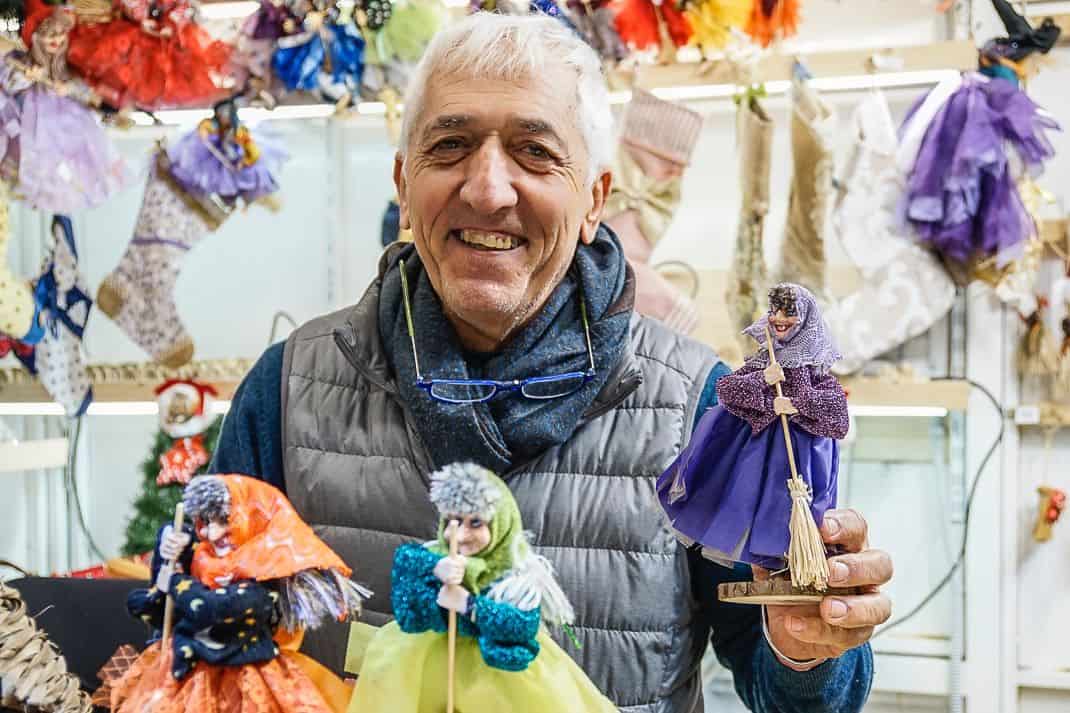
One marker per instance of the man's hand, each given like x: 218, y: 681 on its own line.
x: 450, y: 570
x: 838, y: 624
x: 453, y: 597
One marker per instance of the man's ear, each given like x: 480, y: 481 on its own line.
x: 599, y: 195
x: 400, y: 185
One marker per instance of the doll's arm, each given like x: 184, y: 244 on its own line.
x: 506, y: 633
x: 250, y: 151
x: 745, y: 393
x: 147, y: 605
x: 821, y: 402
x: 414, y: 590
x: 245, y: 601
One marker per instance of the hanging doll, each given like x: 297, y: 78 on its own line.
x: 772, y: 20
x: 256, y: 578
x: 715, y: 21
x: 326, y: 56
x: 153, y: 55
x: 185, y: 415
x: 55, y: 154
x: 726, y: 490
x: 502, y: 593
x: 1037, y: 354
x: 596, y: 22
x: 257, y: 37
x: 222, y: 158
x: 961, y: 197
x: 392, y: 50
x: 652, y: 24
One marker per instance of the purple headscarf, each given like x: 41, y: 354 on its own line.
x: 808, y: 343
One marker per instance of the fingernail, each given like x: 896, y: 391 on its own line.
x: 795, y: 624
x: 832, y: 526
x: 838, y: 572
x: 837, y: 609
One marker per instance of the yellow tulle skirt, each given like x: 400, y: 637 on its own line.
x: 406, y: 673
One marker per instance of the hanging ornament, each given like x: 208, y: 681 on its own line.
x: 1051, y: 506
x: 184, y: 415
x: 772, y: 20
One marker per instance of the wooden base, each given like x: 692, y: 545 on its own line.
x: 777, y: 592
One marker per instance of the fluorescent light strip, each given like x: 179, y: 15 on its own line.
x: 898, y: 411
x: 110, y: 408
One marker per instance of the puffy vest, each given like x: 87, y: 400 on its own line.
x: 357, y: 470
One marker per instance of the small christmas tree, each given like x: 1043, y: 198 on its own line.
x: 182, y: 449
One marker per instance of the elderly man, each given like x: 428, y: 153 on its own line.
x: 512, y: 342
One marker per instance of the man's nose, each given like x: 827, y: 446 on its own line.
x: 488, y: 184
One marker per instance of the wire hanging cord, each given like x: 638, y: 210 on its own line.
x: 70, y: 482
x: 961, y: 557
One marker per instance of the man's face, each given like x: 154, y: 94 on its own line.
x: 494, y: 188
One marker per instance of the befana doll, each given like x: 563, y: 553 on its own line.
x: 503, y: 594
x: 254, y: 580
x: 760, y: 470
x: 55, y: 154
x: 222, y: 157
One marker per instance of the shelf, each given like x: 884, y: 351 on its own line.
x: 132, y: 382
x: 1045, y: 414
x: 1049, y: 680
x: 952, y: 395
x: 950, y: 55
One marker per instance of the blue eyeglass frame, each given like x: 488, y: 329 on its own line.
x: 496, y: 387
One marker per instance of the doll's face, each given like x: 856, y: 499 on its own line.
x: 217, y: 534
x: 474, y: 535
x: 782, y: 324
x: 52, y: 37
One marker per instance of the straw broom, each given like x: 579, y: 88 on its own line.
x: 806, y: 552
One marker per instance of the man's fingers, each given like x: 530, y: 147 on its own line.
x: 860, y: 613
x: 869, y: 568
x: 812, y: 630
x: 846, y: 528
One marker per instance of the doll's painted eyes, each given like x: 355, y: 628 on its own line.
x: 475, y: 523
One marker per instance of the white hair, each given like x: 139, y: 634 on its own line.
x: 511, y: 48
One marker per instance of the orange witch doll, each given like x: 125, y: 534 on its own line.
x: 257, y: 578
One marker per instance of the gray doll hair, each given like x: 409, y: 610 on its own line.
x: 465, y: 489
x: 207, y: 498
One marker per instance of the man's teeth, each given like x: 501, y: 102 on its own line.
x: 494, y: 241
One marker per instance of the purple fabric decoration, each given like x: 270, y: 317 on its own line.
x: 200, y: 171
x: 961, y: 196
x: 727, y: 490
x: 808, y: 343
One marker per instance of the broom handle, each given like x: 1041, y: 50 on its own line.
x: 169, y: 608
x: 452, y: 632
x: 783, y: 417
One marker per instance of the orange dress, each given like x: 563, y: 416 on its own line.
x: 270, y: 543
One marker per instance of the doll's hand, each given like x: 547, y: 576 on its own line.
x: 450, y: 570
x: 173, y: 544
x: 782, y: 406
x: 166, y: 31
x: 453, y: 597
x: 839, y: 623
x: 774, y: 374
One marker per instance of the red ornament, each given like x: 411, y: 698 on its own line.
x: 185, y: 457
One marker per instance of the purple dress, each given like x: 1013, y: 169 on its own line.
x: 727, y: 490
x: 55, y: 154
x: 205, y: 163
x: 961, y: 196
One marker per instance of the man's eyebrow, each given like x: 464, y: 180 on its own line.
x: 445, y: 122
x: 536, y: 126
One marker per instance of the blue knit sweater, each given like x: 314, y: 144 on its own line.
x: 251, y: 443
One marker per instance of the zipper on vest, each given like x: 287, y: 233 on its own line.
x: 625, y: 388
x: 346, y: 340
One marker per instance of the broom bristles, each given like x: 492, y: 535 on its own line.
x: 806, y: 551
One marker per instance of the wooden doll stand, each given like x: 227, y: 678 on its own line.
x: 778, y: 592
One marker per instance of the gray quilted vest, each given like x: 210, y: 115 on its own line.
x: 357, y: 470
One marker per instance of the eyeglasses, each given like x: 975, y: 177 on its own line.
x: 471, y: 391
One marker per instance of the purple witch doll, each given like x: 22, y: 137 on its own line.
x: 749, y: 489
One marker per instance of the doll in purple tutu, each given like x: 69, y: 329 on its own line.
x: 223, y: 159
x: 53, y: 151
x: 731, y: 489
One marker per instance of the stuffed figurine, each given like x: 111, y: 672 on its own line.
x: 326, y: 56
x: 501, y: 593
x: 778, y: 419
x: 153, y: 55
x: 243, y: 595
x: 223, y: 158
x: 55, y: 154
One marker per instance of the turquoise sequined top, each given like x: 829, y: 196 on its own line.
x: 506, y: 634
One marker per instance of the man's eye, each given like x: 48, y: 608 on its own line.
x: 536, y: 151
x: 448, y: 145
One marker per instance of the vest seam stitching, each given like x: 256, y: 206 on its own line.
x: 618, y: 630
x: 606, y: 549
x: 667, y: 365
x: 347, y: 453
x: 317, y: 380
